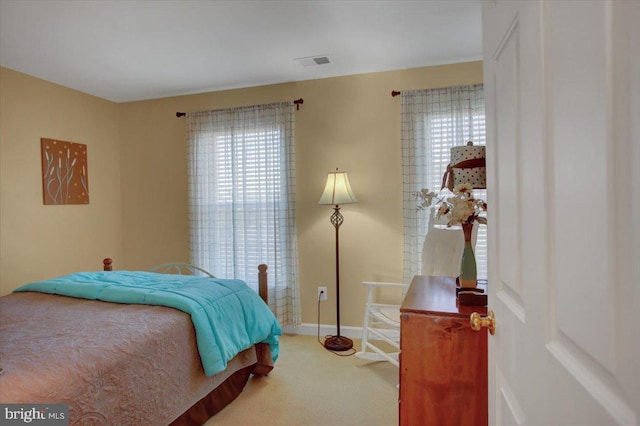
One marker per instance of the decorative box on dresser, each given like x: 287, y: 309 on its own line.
x: 443, y: 362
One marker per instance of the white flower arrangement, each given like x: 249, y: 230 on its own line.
x: 460, y: 209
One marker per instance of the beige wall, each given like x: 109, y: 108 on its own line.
x: 38, y: 241
x: 348, y: 122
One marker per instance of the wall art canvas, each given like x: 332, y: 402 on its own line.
x: 64, y: 172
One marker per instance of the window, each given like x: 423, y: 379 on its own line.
x: 433, y: 121
x: 242, y: 187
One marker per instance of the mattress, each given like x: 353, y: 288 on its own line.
x: 112, y: 363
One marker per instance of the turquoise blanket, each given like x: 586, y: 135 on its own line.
x: 227, y: 315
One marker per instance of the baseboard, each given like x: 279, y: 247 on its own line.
x: 325, y: 330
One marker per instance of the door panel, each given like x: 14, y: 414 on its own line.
x: 562, y: 96
x: 507, y: 148
x: 511, y: 412
x: 582, y: 166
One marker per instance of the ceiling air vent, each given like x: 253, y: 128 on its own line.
x: 312, y: 61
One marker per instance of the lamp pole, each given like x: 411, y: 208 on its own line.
x: 337, y: 342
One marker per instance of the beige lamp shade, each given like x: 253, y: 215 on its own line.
x: 337, y: 189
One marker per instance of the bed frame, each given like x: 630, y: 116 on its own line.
x: 107, y: 265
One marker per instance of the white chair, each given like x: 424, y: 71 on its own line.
x: 441, y: 256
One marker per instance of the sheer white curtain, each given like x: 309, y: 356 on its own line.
x: 242, y: 198
x: 433, y: 121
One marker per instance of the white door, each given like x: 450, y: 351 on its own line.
x: 562, y: 87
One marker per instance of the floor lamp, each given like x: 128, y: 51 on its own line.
x: 337, y: 191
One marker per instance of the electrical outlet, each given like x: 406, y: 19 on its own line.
x: 322, y: 293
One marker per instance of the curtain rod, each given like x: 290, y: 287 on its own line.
x: 298, y: 102
x: 395, y: 93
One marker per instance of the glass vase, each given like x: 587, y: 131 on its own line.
x: 468, y: 272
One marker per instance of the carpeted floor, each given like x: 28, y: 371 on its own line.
x: 311, y: 386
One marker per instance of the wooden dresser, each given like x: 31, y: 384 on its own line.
x: 443, y: 363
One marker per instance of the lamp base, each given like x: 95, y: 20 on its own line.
x: 338, y: 343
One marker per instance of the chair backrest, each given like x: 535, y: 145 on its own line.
x: 442, y: 248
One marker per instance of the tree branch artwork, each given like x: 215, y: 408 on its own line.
x: 64, y: 172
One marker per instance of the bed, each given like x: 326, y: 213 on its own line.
x: 134, y: 362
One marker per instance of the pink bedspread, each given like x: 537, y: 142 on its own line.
x: 113, y: 364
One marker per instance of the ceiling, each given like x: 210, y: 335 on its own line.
x: 134, y: 50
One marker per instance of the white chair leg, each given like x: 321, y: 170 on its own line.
x: 365, y: 327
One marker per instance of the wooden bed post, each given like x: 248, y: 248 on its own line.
x: 107, y: 264
x: 262, y: 283
x: 264, y: 363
